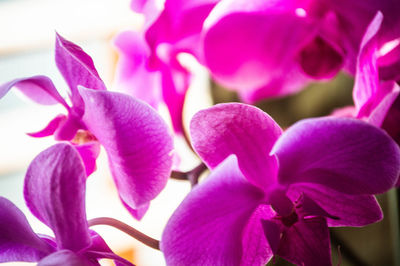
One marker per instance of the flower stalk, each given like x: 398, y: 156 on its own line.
x: 394, y: 208
x: 346, y: 251
x: 145, y: 239
x: 192, y: 176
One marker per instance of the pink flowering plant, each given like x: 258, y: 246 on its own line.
x: 269, y: 192
x: 58, y: 173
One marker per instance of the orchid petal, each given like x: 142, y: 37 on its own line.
x: 390, y: 121
x: 149, y: 8
x: 348, y: 210
x: 179, y: 20
x: 373, y: 98
x: 320, y: 60
x: 272, y: 232
x: 385, y: 113
x: 137, y: 142
x: 256, y: 250
x: 77, y: 68
x: 39, y: 89
x: 68, y: 129
x: 266, y: 40
x: 139, y: 5
x: 99, y: 249
x: 89, y: 152
x: 356, y: 23
x: 307, y: 207
x: 17, y: 240
x: 58, y: 173
x: 169, y: 83
x: 389, y: 64
x: 306, y: 243
x: 98, y: 243
x: 137, y: 213
x: 207, y: 226
x: 109, y: 255
x: 51, y: 127
x: 367, y: 80
x: 175, y: 83
x: 65, y: 257
x: 238, y: 129
x: 343, y: 154
x: 133, y: 76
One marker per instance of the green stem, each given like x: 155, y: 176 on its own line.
x: 394, y: 209
x: 346, y: 251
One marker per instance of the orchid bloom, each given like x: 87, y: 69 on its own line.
x: 376, y: 100
x: 273, y: 193
x: 272, y: 48
x: 177, y: 26
x: 168, y: 82
x: 54, y: 191
x: 168, y: 32
x: 136, y: 139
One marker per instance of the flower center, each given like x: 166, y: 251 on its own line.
x: 82, y: 137
x: 289, y: 220
x: 280, y: 202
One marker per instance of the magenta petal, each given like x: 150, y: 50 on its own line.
x: 343, y: 154
x: 272, y: 232
x: 65, y: 257
x: 139, y: 5
x: 17, y: 240
x: 179, y: 21
x: 392, y: 114
x: 137, y: 213
x: 357, y: 22
x: 306, y: 243
x: 148, y: 8
x: 256, y: 249
x: 373, y: 98
x: 89, y: 152
x: 383, y: 107
x: 58, y: 173
x: 77, y: 68
x: 348, y: 210
x: 175, y: 83
x: 389, y: 64
x: 170, y: 83
x: 39, y: 89
x: 99, y: 249
x: 137, y: 141
x: 68, y: 129
x: 108, y: 255
x: 310, y: 208
x: 246, y: 46
x: 367, y: 80
x: 320, y: 60
x: 238, y: 129
x: 51, y: 127
x: 98, y: 243
x: 207, y: 227
x: 133, y: 76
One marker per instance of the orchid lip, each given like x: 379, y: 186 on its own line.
x: 280, y: 202
x: 289, y: 220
